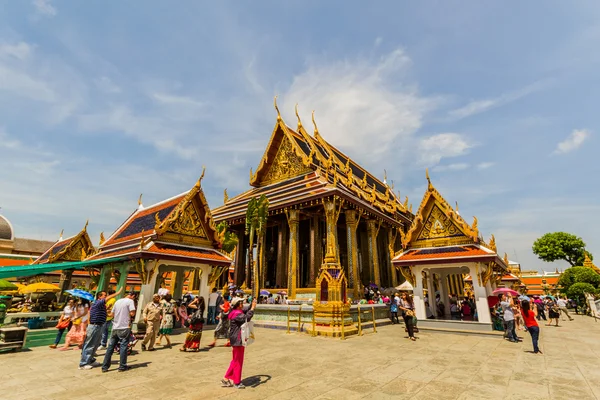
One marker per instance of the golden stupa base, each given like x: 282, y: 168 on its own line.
x: 332, y: 319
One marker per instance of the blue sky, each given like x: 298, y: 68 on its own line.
x: 101, y: 101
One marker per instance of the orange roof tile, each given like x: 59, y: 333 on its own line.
x: 189, y: 252
x: 443, y: 252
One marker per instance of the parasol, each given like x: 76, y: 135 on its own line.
x: 507, y: 291
x: 406, y: 286
x: 264, y: 292
x: 523, y: 297
x: 39, y: 287
x: 282, y: 293
x: 81, y: 293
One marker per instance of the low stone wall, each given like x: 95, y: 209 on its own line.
x: 50, y: 318
x: 276, y: 316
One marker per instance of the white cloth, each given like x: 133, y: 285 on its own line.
x: 561, y: 303
x: 121, y: 311
x: 212, y: 299
x: 68, y: 312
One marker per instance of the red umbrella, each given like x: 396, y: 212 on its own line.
x: 507, y: 291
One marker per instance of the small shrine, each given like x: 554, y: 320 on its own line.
x: 439, y: 252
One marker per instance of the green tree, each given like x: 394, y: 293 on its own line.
x: 560, y: 246
x: 575, y: 275
x: 578, y: 290
x: 256, y: 226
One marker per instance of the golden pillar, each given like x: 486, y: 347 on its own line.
x: 391, y: 242
x: 373, y: 230
x: 293, y: 218
x: 352, y: 221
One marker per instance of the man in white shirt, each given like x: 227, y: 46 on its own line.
x: 123, y: 311
x: 562, y: 304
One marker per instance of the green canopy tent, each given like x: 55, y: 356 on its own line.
x: 36, y: 269
x: 6, y: 285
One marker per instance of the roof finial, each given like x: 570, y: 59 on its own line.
x: 225, y: 196
x: 140, y: 205
x: 315, y: 124
x: 298, y: 116
x: 277, y: 108
x: 457, y: 206
x: 474, y: 226
x: 384, y: 177
x: 427, y: 176
x: 87, y: 221
x: 61, y: 234
x: 102, y: 239
x: 201, y: 176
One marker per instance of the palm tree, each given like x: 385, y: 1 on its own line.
x: 256, y: 225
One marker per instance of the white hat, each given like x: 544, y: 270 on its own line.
x: 235, y: 301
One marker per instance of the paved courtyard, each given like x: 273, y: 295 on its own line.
x: 296, y: 366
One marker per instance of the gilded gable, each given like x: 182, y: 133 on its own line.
x: 185, y: 225
x: 438, y: 225
x: 286, y: 164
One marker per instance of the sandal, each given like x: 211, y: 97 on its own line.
x: 226, y: 383
x: 183, y: 349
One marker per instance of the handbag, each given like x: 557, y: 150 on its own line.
x: 410, y: 313
x: 247, y: 333
x: 64, y: 324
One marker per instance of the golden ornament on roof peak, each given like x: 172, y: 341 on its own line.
x: 298, y: 116
x: 277, y: 108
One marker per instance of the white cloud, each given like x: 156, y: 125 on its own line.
x: 573, y: 141
x: 169, y: 99
x: 6, y: 141
x: 44, y: 7
x: 106, y: 85
x: 19, y: 50
x: 451, y: 167
x: 443, y: 145
x: 485, y: 165
x: 378, y: 41
x: 479, y: 106
x: 365, y: 107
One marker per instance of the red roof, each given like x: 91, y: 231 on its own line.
x: 442, y: 252
x: 56, y: 247
x: 206, y: 254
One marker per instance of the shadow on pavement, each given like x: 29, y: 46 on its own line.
x: 256, y: 380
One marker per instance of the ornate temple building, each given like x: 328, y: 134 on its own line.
x: 439, y: 251
x: 173, y: 243
x: 302, y: 176
x: 15, y: 251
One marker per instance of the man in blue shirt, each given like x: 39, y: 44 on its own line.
x: 93, y: 334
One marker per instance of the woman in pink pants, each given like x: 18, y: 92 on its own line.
x: 237, y: 318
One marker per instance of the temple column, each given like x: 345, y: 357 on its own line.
x: 178, y: 287
x: 240, y: 257
x: 372, y: 231
x: 431, y: 293
x: 293, y: 217
x: 352, y: 220
x: 122, y: 283
x: 204, y: 289
x: 479, y: 290
x: 280, y: 276
x: 390, y: 246
x: 146, y: 292
x: 104, y: 280
x: 315, y: 250
x: 64, y: 283
x: 418, y: 297
x: 444, y: 293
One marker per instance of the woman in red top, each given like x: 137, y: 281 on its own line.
x: 531, y: 324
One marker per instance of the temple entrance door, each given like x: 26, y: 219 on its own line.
x: 303, y: 248
x: 271, y: 256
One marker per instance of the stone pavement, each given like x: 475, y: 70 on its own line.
x: 296, y: 366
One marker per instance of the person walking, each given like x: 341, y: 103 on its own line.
x: 123, y: 312
x: 222, y: 329
x: 194, y: 335
x: 506, y: 303
x: 152, y: 315
x: 532, y: 326
x: 553, y: 311
x: 93, y: 334
x: 562, y: 305
x: 539, y: 305
x: 408, y: 312
x: 108, y: 324
x: 65, y: 322
x: 169, y: 313
x: 394, y: 309
x: 76, y: 334
x: 237, y: 318
x: 213, y: 302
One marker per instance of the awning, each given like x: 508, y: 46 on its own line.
x: 36, y: 269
